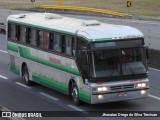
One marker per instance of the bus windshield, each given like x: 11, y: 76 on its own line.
x: 118, y: 62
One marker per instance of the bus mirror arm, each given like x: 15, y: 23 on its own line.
x: 147, y: 53
x: 85, y: 71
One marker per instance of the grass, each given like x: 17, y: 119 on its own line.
x: 140, y: 8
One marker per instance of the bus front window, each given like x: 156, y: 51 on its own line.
x: 120, y: 62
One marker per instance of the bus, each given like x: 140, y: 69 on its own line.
x: 88, y: 60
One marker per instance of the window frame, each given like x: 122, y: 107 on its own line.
x: 29, y: 29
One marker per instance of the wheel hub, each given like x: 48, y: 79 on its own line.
x: 75, y: 94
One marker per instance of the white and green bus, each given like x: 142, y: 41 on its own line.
x: 89, y: 61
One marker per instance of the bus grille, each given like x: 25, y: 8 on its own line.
x: 122, y: 87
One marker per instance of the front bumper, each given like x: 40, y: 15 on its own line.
x: 119, y: 96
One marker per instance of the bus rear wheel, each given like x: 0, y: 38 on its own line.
x: 26, y: 75
x: 75, y: 94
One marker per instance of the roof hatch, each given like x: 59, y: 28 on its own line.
x: 52, y: 16
x: 91, y: 23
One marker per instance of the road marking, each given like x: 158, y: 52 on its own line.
x: 46, y: 95
x: 1, y: 76
x: 3, y: 51
x: 155, y: 97
x: 18, y: 83
x: 154, y: 69
x: 76, y: 108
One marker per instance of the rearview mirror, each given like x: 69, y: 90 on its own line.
x: 85, y: 71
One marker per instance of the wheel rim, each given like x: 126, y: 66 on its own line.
x: 75, y: 94
x: 26, y: 76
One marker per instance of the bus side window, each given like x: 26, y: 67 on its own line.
x: 73, y: 46
x: 57, y: 43
x: 81, y: 44
x: 63, y: 41
x: 40, y: 38
x: 28, y: 35
x: 17, y: 33
x: 23, y: 34
x: 68, y: 45
x: 45, y: 39
x: 32, y: 36
x: 11, y: 31
x: 51, y: 38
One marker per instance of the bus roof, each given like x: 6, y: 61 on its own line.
x: 89, y: 29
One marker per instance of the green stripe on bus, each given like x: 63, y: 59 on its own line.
x: 12, y: 47
x: 25, y: 53
x: 103, y: 39
x: 15, y: 69
x: 85, y: 96
x: 59, y: 86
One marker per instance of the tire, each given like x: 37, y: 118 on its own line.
x: 26, y: 76
x: 75, y: 94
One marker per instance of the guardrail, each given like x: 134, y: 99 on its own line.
x: 84, y: 9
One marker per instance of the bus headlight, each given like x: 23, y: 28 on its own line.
x: 141, y: 85
x: 143, y: 92
x: 102, y: 89
x: 100, y: 97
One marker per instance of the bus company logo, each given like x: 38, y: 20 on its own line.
x: 55, y: 60
x: 6, y: 114
x: 20, y: 115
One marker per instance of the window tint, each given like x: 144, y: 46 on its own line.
x: 81, y: 54
x: 73, y: 46
x: 81, y: 42
x: 23, y: 34
x: 68, y: 45
x: 57, y: 42
x: 32, y: 36
x: 63, y: 43
x: 51, y: 37
x: 11, y: 31
x: 17, y: 32
x: 40, y: 38
x: 45, y: 39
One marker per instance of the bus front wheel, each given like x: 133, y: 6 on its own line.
x: 75, y: 94
x: 26, y: 75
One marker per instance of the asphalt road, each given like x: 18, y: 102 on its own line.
x: 16, y: 96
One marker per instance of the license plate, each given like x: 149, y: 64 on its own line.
x: 122, y: 94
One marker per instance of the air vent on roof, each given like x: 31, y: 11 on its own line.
x: 91, y: 23
x: 52, y: 16
x: 22, y: 16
